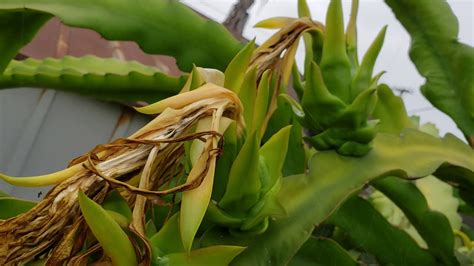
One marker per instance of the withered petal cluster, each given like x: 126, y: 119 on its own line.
x: 55, y: 229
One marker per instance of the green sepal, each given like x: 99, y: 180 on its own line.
x: 196, y: 79
x: 268, y: 206
x: 320, y: 106
x: 244, y: 186
x: 335, y: 64
x: 317, y: 41
x: 225, y: 161
x: 375, y: 79
x: 368, y: 229
x: 221, y: 217
x: 391, y: 111
x: 161, y: 214
x: 308, y: 50
x: 113, y: 240
x: 150, y: 229
x: 119, y: 219
x: 234, y: 73
x: 167, y: 240
x: 298, y: 86
x: 350, y: 133
x: 359, y: 111
x: 296, y: 109
x: 351, y: 37
x: 261, y: 104
x: 218, y: 235
x: 255, y: 230
x: 273, y: 155
x: 115, y: 202
x: 353, y: 148
x: 363, y: 77
x: 283, y: 116
x: 247, y: 94
x: 303, y: 9
x: 295, y: 162
x: 347, y: 141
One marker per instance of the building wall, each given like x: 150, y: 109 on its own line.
x: 42, y: 130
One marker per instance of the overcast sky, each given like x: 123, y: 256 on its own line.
x: 373, y: 15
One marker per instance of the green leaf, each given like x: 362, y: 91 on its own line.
x: 113, y: 240
x: 446, y: 63
x: 235, y: 71
x: 335, y: 65
x: 105, y: 79
x: 331, y: 180
x: 243, y: 188
x: 368, y: 229
x: 433, y: 226
x: 158, y: 27
x: 17, y: 28
x: 215, y: 255
x: 322, y: 251
x: 11, y: 207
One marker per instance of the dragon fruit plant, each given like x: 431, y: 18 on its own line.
x: 234, y: 170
